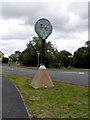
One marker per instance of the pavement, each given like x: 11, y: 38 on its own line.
x: 12, y: 103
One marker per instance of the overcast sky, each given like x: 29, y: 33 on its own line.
x: 69, y: 21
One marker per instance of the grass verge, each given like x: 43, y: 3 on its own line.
x: 61, y: 101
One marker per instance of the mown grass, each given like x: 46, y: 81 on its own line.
x: 61, y: 101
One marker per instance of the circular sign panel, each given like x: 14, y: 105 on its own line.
x: 43, y: 28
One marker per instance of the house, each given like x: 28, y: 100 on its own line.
x: 15, y: 57
x: 1, y: 56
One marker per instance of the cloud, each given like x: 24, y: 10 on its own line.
x: 27, y: 11
x: 80, y: 9
x: 69, y: 20
x: 8, y: 47
x: 15, y: 29
x: 61, y: 15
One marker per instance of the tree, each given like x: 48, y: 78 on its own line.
x: 79, y: 58
x: 82, y: 56
x: 88, y: 43
x: 54, y: 58
x: 87, y: 54
x: 50, y: 51
x: 62, y: 58
x: 5, y: 60
x: 29, y: 55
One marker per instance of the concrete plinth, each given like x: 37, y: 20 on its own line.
x: 42, y: 79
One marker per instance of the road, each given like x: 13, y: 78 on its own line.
x: 72, y: 77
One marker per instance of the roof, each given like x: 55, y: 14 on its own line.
x: 1, y: 52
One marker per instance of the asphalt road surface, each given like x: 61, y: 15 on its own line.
x: 12, y: 103
x: 65, y: 76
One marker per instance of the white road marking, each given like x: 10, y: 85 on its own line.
x: 75, y: 72
x: 81, y: 73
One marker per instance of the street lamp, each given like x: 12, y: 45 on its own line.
x: 70, y: 56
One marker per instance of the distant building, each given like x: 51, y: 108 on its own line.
x: 15, y: 57
x: 1, y: 56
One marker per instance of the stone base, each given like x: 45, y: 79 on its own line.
x: 42, y: 79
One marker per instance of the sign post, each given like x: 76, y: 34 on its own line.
x: 43, y: 28
x: 42, y: 52
x: 38, y: 53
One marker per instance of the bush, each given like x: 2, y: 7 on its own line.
x: 5, y: 60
